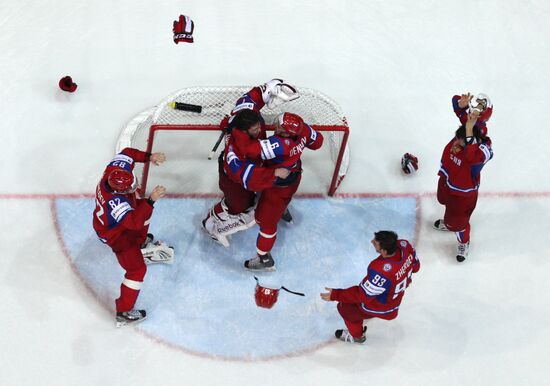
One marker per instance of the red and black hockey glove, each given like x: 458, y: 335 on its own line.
x: 409, y: 163
x: 183, y: 29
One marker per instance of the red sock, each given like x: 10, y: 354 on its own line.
x: 127, y: 299
x: 464, y: 235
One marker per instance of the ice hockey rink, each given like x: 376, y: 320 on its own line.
x: 393, y: 67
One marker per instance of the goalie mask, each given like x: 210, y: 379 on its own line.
x: 483, y: 105
x: 122, y: 181
x: 289, y: 125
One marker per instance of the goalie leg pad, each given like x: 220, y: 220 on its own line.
x: 221, y: 225
x: 210, y: 226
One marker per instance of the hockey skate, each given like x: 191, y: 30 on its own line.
x: 345, y: 336
x: 462, y: 251
x: 158, y: 252
x: 149, y: 239
x: 130, y: 317
x: 287, y: 217
x: 440, y: 225
x: 260, y: 263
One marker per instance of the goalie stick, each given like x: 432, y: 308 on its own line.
x: 185, y: 107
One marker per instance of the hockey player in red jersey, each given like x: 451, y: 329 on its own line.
x: 241, y: 176
x: 459, y: 179
x: 380, y: 293
x: 282, y: 150
x: 121, y: 220
x: 467, y: 103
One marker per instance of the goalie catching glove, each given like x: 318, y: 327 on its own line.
x: 276, y: 92
x: 158, y: 252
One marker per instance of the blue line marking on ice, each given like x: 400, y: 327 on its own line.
x: 204, y: 302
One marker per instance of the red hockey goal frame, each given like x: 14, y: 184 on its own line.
x: 316, y: 109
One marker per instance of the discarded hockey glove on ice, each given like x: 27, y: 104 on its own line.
x: 409, y: 163
x: 157, y: 252
x: 183, y: 29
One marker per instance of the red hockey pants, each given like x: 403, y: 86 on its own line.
x: 458, y: 210
x: 270, y: 209
x: 128, y: 253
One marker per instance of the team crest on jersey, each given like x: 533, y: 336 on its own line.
x: 387, y: 267
x: 403, y: 243
x: 287, y: 142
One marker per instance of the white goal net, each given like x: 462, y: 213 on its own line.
x: 187, y: 138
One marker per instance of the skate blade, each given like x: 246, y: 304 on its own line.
x: 270, y: 269
x: 128, y: 323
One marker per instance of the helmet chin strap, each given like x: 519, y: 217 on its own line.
x: 135, y: 184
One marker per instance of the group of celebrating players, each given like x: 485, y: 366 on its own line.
x: 258, y: 176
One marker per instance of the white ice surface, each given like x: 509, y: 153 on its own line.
x: 393, y: 67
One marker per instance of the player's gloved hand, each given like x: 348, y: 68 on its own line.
x: 183, y: 29
x: 276, y: 92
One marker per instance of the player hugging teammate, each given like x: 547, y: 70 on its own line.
x: 253, y: 164
x: 259, y: 175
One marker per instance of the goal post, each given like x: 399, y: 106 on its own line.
x: 189, y: 133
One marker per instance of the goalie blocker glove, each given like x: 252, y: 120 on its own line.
x: 158, y: 252
x: 276, y: 92
x: 183, y: 29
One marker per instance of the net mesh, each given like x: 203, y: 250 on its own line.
x: 314, y: 107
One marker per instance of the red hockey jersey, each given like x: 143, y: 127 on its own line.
x: 278, y: 152
x: 240, y: 168
x: 116, y: 213
x: 462, y: 170
x: 381, y: 291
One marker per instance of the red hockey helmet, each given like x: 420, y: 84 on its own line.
x: 122, y: 181
x: 483, y: 105
x: 66, y: 84
x: 409, y: 163
x: 289, y: 124
x: 265, y: 297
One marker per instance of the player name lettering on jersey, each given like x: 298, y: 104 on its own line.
x: 403, y: 270
x: 456, y: 160
x: 99, y: 195
x: 298, y: 148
